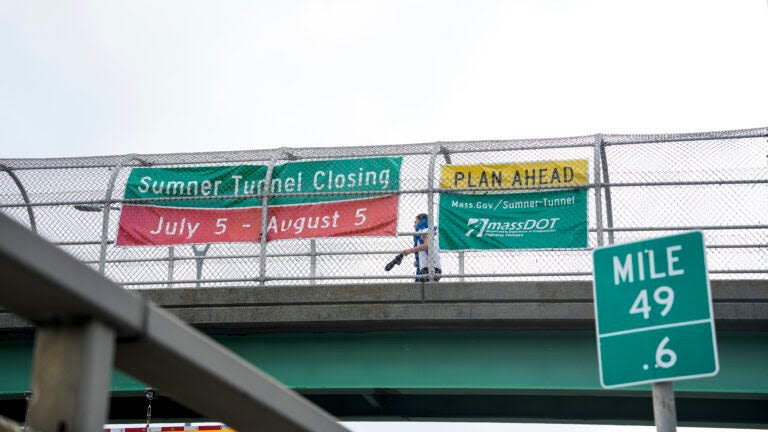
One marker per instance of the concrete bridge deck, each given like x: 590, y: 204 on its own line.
x: 737, y: 304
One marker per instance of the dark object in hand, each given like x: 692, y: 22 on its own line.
x: 396, y: 261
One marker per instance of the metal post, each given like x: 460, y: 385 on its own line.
x: 30, y: 210
x: 199, y: 261
x: 171, y: 257
x: 664, y: 411
x: 71, y: 377
x: 265, y: 219
x: 608, y: 199
x: 431, y: 212
x: 107, y: 208
x: 447, y: 157
x: 598, y: 189
x: 461, y: 266
x: 28, y: 398
x: 150, y: 394
x: 312, y: 260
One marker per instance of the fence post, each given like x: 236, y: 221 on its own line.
x: 608, y: 201
x: 107, y: 207
x: 171, y: 264
x: 312, y: 260
x: 431, y: 211
x: 265, y: 218
x: 598, y: 188
x: 30, y: 210
x: 447, y: 157
x: 199, y: 261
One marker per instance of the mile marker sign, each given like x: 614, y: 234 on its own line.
x: 653, y: 311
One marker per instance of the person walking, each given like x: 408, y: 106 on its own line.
x: 421, y: 250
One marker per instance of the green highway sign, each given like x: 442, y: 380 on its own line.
x: 653, y: 311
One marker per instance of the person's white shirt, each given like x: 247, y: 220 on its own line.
x: 435, y: 249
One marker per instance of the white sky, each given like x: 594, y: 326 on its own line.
x: 94, y: 77
x: 104, y: 77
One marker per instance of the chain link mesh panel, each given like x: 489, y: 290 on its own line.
x: 648, y: 185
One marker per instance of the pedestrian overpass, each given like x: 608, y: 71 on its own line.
x: 449, y: 351
x: 505, y: 336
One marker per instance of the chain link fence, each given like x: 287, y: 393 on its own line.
x: 640, y: 186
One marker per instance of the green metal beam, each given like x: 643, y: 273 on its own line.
x: 486, y: 362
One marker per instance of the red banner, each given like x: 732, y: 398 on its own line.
x: 147, y: 225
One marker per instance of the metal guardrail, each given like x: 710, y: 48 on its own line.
x: 84, y: 321
x: 638, y: 185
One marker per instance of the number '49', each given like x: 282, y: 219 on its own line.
x: 663, y: 296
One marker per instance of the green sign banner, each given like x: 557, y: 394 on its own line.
x: 221, y: 204
x: 499, y: 206
x: 223, y: 186
x: 536, y: 220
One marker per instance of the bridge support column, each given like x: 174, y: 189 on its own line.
x: 71, y: 377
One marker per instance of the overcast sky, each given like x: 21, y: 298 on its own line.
x: 106, y: 77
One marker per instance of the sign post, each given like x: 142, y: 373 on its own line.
x: 653, y: 315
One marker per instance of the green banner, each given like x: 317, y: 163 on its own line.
x: 536, y: 220
x: 373, y: 177
x: 312, y: 182
x: 199, y: 183
x: 223, y: 204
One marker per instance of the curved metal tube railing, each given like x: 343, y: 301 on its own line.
x: 700, y: 173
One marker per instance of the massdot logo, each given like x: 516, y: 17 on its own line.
x: 483, y: 227
x: 476, y: 224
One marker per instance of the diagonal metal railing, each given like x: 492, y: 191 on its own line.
x: 84, y: 321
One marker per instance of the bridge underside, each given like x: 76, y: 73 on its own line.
x: 384, y: 405
x: 511, y: 351
x: 528, y: 376
x: 379, y: 406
